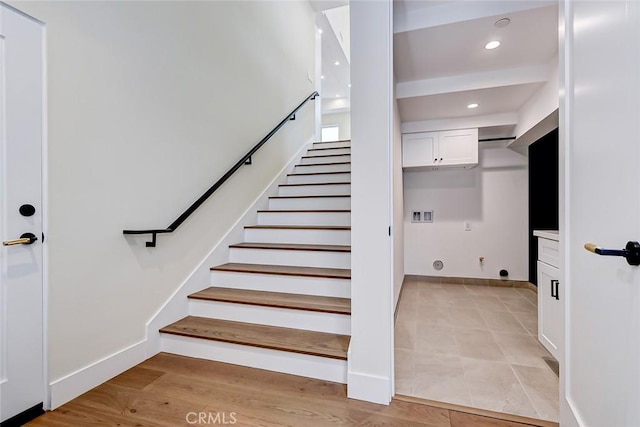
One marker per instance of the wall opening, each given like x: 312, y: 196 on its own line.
x: 330, y: 133
x: 543, y: 193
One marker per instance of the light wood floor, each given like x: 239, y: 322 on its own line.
x: 169, y: 390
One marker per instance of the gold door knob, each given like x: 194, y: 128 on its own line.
x: 25, y: 239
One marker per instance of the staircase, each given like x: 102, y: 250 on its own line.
x: 282, y: 302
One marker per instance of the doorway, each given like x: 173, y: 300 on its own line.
x: 543, y: 193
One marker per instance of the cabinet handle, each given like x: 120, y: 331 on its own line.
x: 440, y: 158
x: 435, y: 160
x: 554, y: 285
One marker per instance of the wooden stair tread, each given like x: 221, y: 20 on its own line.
x: 304, y: 210
x: 321, y: 344
x: 285, y: 270
x: 276, y: 299
x: 329, y: 148
x: 301, y: 227
x: 325, y: 155
x: 332, y: 142
x: 293, y: 247
x: 324, y: 164
x: 315, y: 183
x: 310, y: 197
x: 317, y: 173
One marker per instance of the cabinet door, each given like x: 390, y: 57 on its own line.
x: 549, y: 308
x: 458, y: 147
x: 419, y: 149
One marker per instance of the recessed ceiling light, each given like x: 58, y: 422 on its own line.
x: 474, y: 105
x: 501, y: 23
x: 337, y: 62
x: 322, y: 77
x: 319, y: 30
x: 492, y: 45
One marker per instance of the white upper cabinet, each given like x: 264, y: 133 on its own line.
x: 420, y: 149
x: 458, y: 147
x: 433, y: 150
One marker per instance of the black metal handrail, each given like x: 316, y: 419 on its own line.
x: 245, y: 160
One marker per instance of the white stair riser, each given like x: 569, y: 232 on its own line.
x: 304, y: 218
x: 315, y: 190
x: 308, y: 237
x: 331, y: 144
x: 310, y: 203
x: 330, y: 151
x: 320, y: 259
x: 325, y: 159
x: 310, y: 179
x: 272, y: 316
x: 321, y: 168
x: 278, y: 283
x: 272, y: 360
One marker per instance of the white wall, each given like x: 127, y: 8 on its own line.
x: 342, y: 120
x: 398, y: 207
x: 149, y: 103
x: 492, y: 196
x: 371, y: 352
x: 543, y: 103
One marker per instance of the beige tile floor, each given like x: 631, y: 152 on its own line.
x: 474, y: 346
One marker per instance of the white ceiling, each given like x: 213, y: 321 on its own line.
x: 459, y: 48
x: 334, y: 88
x: 490, y: 101
x: 441, y: 64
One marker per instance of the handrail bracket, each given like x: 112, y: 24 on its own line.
x: 154, y: 234
x: 152, y: 243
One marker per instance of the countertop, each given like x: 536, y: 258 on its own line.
x: 547, y: 234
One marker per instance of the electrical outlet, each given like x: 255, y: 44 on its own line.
x: 467, y: 226
x: 416, y: 216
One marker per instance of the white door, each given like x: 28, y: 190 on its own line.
x: 600, y: 128
x: 21, y: 284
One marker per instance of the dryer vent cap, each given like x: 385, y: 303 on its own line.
x: 504, y: 273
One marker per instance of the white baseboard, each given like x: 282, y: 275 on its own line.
x: 76, y: 383
x: 176, y: 307
x: 370, y: 388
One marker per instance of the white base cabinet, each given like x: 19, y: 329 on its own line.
x: 550, y: 293
x: 549, y: 308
